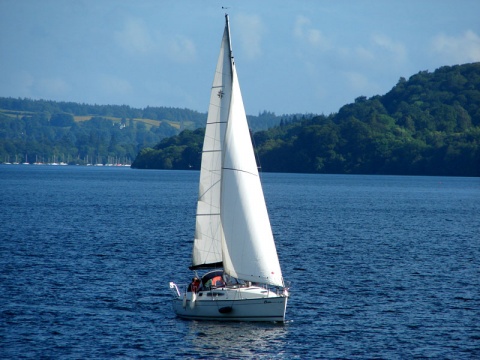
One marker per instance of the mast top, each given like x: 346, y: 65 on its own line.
x: 227, y: 27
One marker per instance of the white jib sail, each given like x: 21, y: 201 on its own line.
x: 208, y: 230
x: 249, y: 251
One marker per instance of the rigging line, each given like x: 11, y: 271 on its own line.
x: 257, y: 156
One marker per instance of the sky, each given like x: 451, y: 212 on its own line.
x: 292, y: 56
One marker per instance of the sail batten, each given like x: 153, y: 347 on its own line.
x: 239, y: 170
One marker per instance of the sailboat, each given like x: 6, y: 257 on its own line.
x: 233, y: 241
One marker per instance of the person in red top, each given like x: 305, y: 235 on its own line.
x: 195, y: 284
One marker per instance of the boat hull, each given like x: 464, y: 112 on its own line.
x: 207, y: 306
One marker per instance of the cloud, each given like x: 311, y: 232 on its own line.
x: 21, y: 83
x: 460, y: 49
x: 364, y: 54
x: 395, y: 49
x: 26, y: 84
x: 250, y: 35
x: 181, y: 49
x: 356, y: 81
x: 113, y: 85
x: 53, y: 86
x: 303, y: 31
x: 135, y: 37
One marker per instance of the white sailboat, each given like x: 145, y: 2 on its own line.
x: 233, y: 236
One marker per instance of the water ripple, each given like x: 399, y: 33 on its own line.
x: 380, y: 267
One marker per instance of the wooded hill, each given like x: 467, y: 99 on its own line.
x: 426, y: 125
x: 49, y: 131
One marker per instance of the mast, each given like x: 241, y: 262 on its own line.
x: 227, y: 28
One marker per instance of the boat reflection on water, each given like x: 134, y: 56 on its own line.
x: 235, y: 340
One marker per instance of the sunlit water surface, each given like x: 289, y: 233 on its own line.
x: 380, y: 266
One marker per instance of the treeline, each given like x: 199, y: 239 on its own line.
x: 185, y: 118
x: 183, y: 152
x: 38, y: 138
x: 426, y: 125
x: 50, y: 131
x: 190, y: 119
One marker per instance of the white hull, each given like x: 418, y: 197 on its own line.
x: 232, y: 304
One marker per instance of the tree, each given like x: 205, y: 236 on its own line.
x: 62, y: 120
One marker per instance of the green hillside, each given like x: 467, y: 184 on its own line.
x: 426, y: 125
x: 49, y: 131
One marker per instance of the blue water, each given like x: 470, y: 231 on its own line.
x: 380, y: 266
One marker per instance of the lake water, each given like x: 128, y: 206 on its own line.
x: 380, y: 266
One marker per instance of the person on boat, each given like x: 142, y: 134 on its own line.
x: 195, y: 285
x: 217, y: 281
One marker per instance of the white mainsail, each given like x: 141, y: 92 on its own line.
x: 232, y: 224
x: 207, y: 249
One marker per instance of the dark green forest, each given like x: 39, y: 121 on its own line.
x: 426, y: 125
x: 48, y: 131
